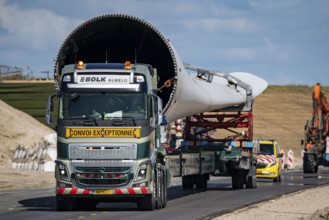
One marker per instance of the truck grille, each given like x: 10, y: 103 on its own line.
x: 97, y: 179
x: 103, y: 151
x: 100, y: 182
x: 105, y: 169
x: 103, y: 173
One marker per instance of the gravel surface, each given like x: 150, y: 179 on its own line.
x: 288, y: 207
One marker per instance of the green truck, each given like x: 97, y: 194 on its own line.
x: 119, y: 81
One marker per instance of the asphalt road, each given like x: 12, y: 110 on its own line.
x: 218, y: 199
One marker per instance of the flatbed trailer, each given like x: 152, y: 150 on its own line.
x: 200, y: 156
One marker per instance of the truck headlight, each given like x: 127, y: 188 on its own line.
x: 141, y: 174
x: 63, y: 174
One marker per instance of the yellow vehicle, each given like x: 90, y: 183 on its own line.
x: 269, y: 163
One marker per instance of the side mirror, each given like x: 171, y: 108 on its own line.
x: 160, y: 115
x: 157, y: 111
x: 280, y: 155
x: 50, y: 110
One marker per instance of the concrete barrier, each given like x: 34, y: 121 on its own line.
x: 39, y: 157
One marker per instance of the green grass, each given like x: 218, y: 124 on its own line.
x: 30, y: 98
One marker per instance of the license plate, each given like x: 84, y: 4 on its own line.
x: 103, y: 192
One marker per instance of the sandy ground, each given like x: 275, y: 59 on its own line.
x: 20, y: 129
x: 11, y: 179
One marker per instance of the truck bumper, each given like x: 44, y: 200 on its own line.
x: 132, y: 191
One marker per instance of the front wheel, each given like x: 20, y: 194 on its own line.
x: 64, y: 204
x: 164, y: 188
x: 147, y: 203
x: 277, y: 179
x: 237, y: 180
x: 309, y: 163
x: 158, y: 190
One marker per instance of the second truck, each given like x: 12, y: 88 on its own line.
x: 118, y: 80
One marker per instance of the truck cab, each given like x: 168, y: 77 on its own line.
x: 108, y: 146
x: 269, y: 165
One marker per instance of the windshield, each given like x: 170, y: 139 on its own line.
x: 103, y: 105
x: 266, y: 149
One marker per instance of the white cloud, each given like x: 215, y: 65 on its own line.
x: 35, y: 29
x: 278, y: 51
x: 246, y: 53
x: 235, y: 25
x: 277, y: 5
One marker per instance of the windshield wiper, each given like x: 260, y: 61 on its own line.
x: 124, y: 121
x: 90, y: 122
x: 87, y: 121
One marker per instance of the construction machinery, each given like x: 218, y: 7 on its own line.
x: 316, y: 138
x: 119, y: 80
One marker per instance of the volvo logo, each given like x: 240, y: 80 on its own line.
x: 102, y: 170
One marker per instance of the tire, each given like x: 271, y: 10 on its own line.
x: 251, y: 182
x: 150, y: 201
x: 64, y: 204
x: 187, y: 182
x: 309, y: 164
x: 277, y: 179
x: 201, y: 182
x: 147, y: 203
x: 165, y: 193
x: 316, y: 169
x: 159, y: 189
x: 237, y: 180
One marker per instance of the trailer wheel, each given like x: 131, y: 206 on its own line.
x: 251, y: 182
x: 201, y: 181
x: 237, y: 180
x: 187, y: 182
x: 309, y: 164
x: 64, y: 204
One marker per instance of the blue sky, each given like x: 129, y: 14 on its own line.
x: 284, y: 42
